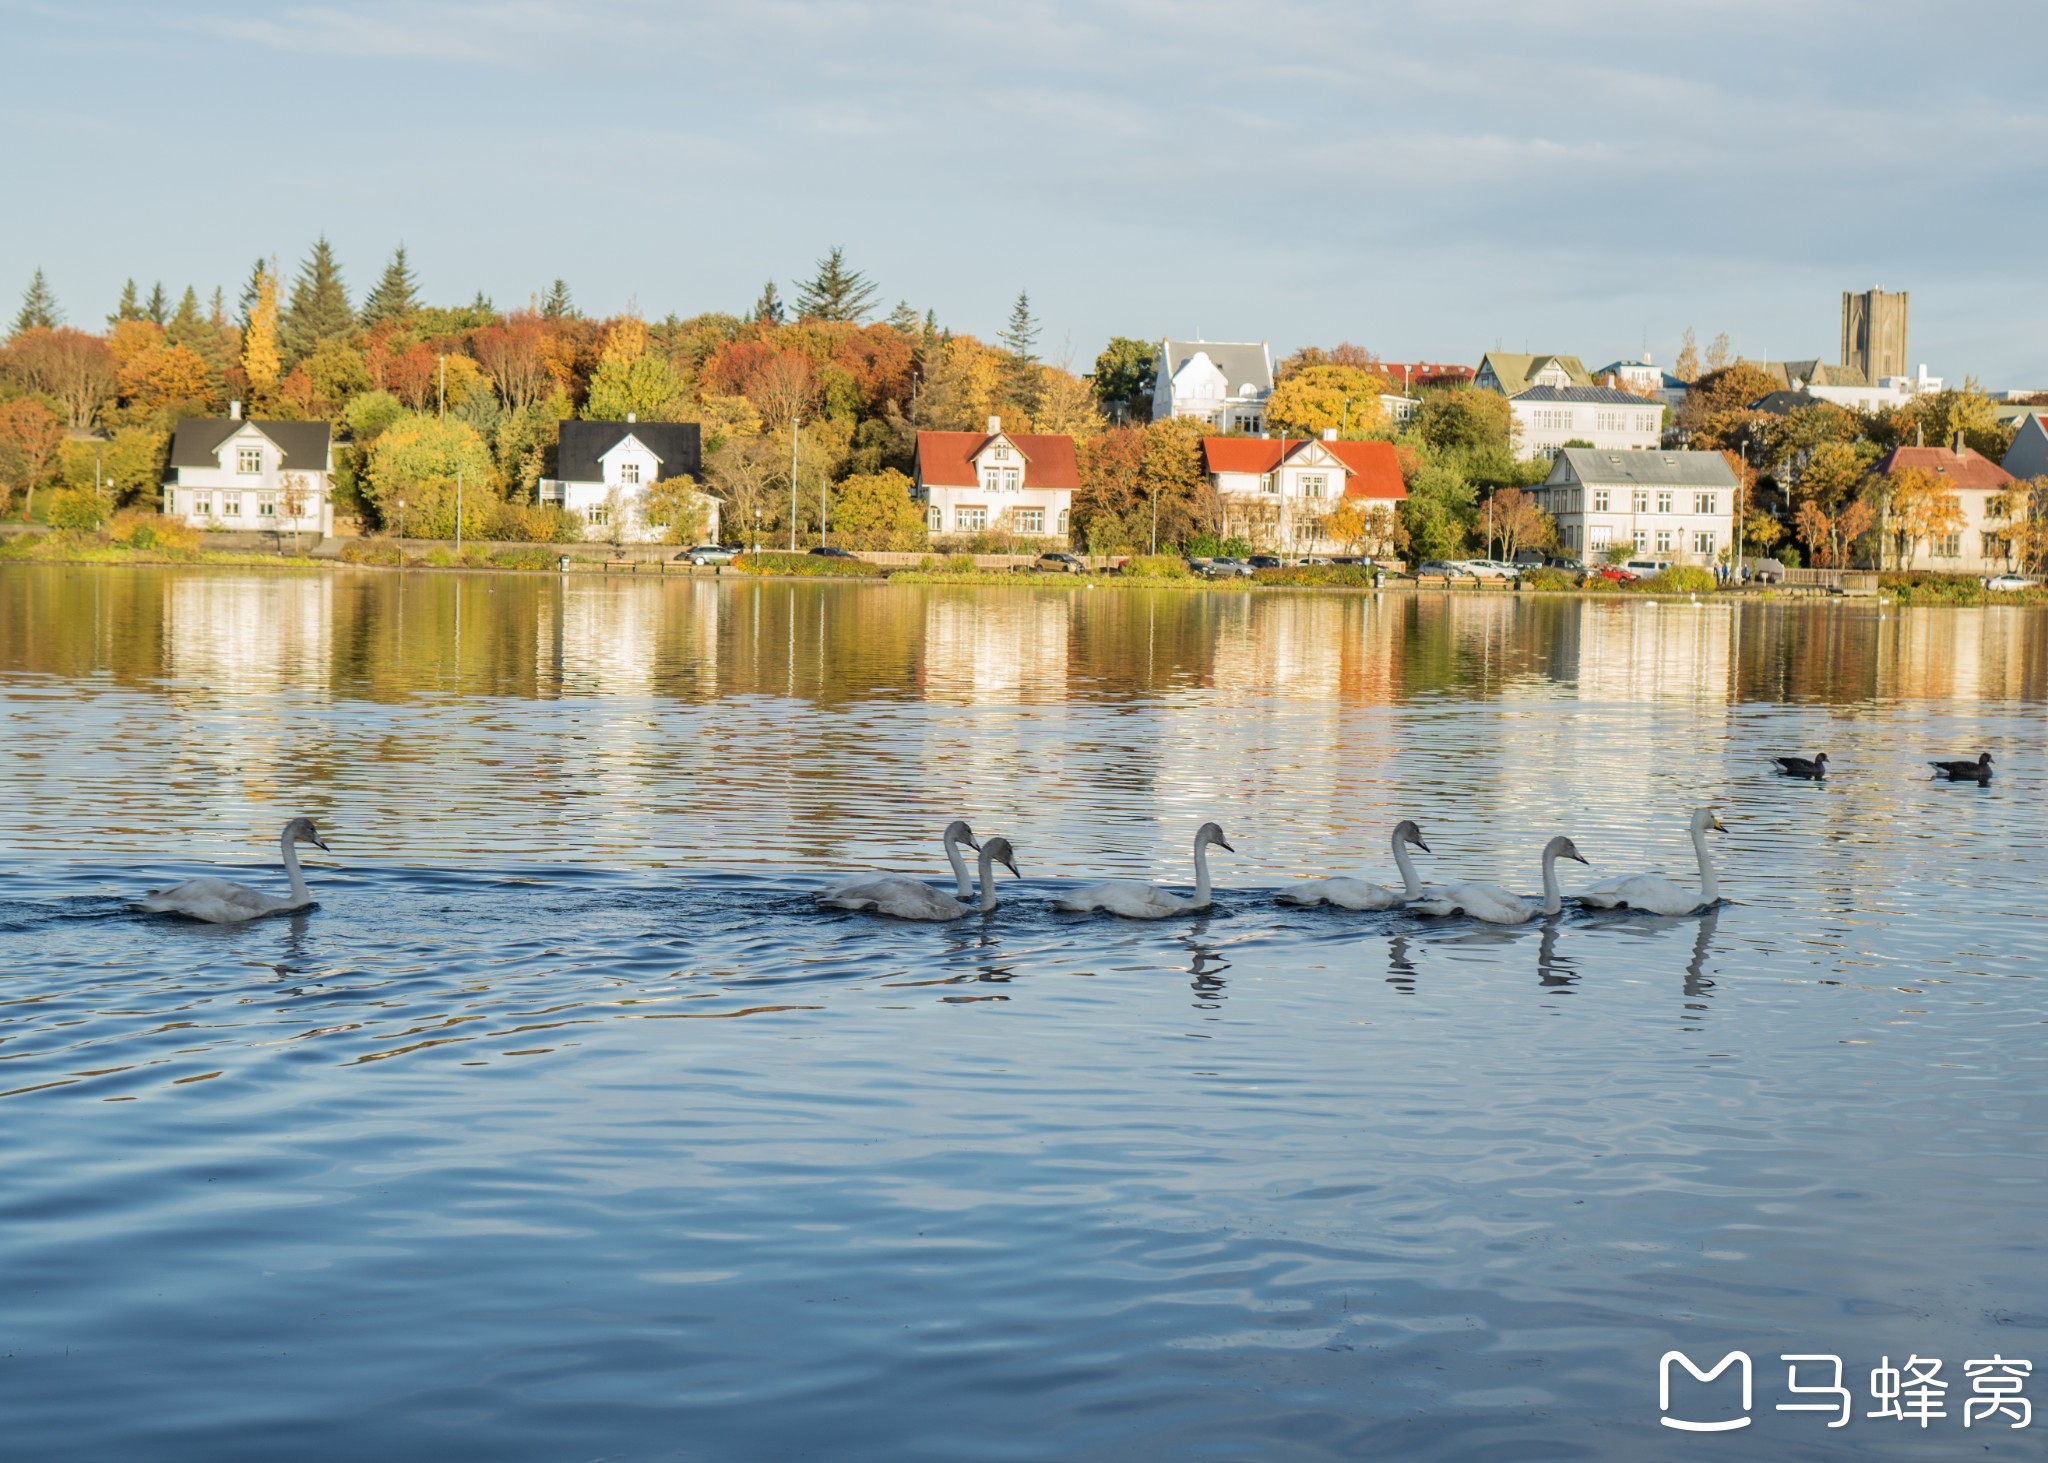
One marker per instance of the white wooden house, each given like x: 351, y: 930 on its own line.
x: 229, y: 473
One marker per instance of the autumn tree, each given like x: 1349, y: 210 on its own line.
x: 1344, y: 399
x: 1829, y: 536
x: 632, y: 379
x: 30, y: 434
x: 961, y: 380
x: 835, y: 293
x: 396, y: 294
x: 750, y: 475
x: 1465, y: 422
x: 75, y: 369
x: 417, y: 459
x: 319, y: 307
x: 677, y: 507
x: 1110, y: 505
x: 167, y: 377
x: 1065, y: 407
x: 1716, y: 414
x: 1919, y: 505
x: 1687, y: 366
x: 515, y: 355
x: 1514, y: 522
x: 39, y: 309
x: 781, y: 384
x: 876, y: 511
x: 123, y: 468
x: 262, y: 359
x: 1719, y: 353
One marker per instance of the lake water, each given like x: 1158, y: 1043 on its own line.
x: 567, y: 1127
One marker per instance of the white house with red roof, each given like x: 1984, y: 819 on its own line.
x: 1979, y: 546
x: 1020, y: 483
x: 1276, y: 491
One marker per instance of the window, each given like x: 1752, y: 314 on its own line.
x: 1031, y: 520
x: 1269, y: 482
x: 231, y: 504
x: 1642, y: 538
x: 1002, y: 453
x: 1315, y: 485
x: 1994, y: 545
x: 1063, y: 522
x: 599, y: 514
x: 1664, y: 502
x: 1663, y: 540
x: 1641, y: 502
x: 1646, y: 423
x: 266, y: 506
x: 1703, y: 543
x: 248, y: 460
x: 1703, y: 502
x: 629, y: 474
x: 1599, y: 500
x: 1002, y: 479
x: 1948, y: 546
x: 935, y: 518
x: 201, y: 503
x: 970, y: 520
x: 1602, y: 535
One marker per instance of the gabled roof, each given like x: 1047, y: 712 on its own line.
x: 946, y: 459
x: 1514, y: 372
x: 1587, y: 396
x: 1811, y: 373
x: 1966, y: 469
x: 302, y: 446
x: 1371, y: 469
x: 1241, y: 362
x: 1642, y: 467
x: 677, y: 447
x: 1783, y: 403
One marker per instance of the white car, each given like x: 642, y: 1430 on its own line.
x: 1490, y: 569
x: 2011, y: 581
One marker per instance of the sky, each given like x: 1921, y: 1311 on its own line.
x: 1428, y: 180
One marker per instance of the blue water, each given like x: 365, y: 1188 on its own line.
x: 567, y: 1127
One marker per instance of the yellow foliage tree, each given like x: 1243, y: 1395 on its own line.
x: 261, y: 360
x: 1920, y: 506
x: 1316, y: 399
x: 1066, y: 406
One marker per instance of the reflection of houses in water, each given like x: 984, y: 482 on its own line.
x: 1281, y: 645
x: 619, y: 634
x: 981, y: 648
x: 255, y: 632
x: 1650, y: 651
x: 1933, y: 653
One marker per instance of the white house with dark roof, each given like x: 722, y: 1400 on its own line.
x: 230, y: 473
x: 603, y: 469
x: 1665, y: 505
x: 1547, y: 417
x: 1224, y: 383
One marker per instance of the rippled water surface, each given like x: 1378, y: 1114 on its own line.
x: 567, y: 1127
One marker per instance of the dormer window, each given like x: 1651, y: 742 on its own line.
x: 249, y: 461
x: 629, y: 474
x: 1002, y: 453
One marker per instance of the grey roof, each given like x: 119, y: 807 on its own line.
x: 1643, y: 467
x: 1783, y: 403
x: 1586, y: 395
x: 677, y: 446
x: 1241, y: 362
x: 198, y: 439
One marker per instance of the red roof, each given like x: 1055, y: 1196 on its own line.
x: 1417, y: 372
x: 1965, y: 469
x: 1371, y: 468
x: 946, y: 459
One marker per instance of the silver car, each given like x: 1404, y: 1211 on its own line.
x: 709, y: 554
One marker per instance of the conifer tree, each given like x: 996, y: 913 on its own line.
x: 38, y: 307
x: 768, y: 309
x: 249, y: 291
x: 904, y: 318
x: 159, y: 308
x: 130, y: 307
x: 1020, y: 357
x: 556, y: 304
x: 186, y: 323
x: 835, y: 293
x: 396, y: 295
x: 218, y: 316
x: 319, y: 308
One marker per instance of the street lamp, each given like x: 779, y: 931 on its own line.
x: 401, y: 530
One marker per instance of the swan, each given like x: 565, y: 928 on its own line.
x: 1356, y: 893
x: 1134, y: 899
x: 910, y: 899
x: 1815, y: 767
x: 1494, y: 904
x: 1655, y: 894
x: 1977, y: 771
x: 861, y: 891
x: 221, y: 902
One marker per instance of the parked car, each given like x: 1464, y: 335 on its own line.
x: 1490, y: 569
x: 708, y: 554
x: 1613, y: 573
x: 1765, y: 571
x: 1527, y: 559
x: 1445, y: 567
x: 1223, y: 567
x: 2011, y: 581
x: 1314, y: 559
x: 1266, y: 561
x: 1647, y: 568
x: 831, y: 551
x: 1061, y: 564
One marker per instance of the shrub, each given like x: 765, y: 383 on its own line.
x: 1356, y: 576
x: 810, y: 565
x: 1157, y: 566
x: 370, y: 552
x: 1550, y: 579
x: 76, y: 508
x: 1678, y: 579
x: 139, y: 528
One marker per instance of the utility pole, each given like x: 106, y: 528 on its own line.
x: 794, y: 423
x: 441, y: 391
x: 458, y: 510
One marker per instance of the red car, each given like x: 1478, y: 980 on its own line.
x: 1616, y: 574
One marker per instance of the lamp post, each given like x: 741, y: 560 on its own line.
x: 794, y: 424
x: 458, y: 510
x: 401, y: 533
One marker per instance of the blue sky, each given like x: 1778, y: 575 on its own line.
x: 1428, y: 180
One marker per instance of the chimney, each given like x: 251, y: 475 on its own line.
x: 1959, y: 442
x: 632, y: 417
x: 234, y: 411
x: 1329, y: 434
x: 995, y: 425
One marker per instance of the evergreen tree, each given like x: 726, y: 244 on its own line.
x: 904, y: 318
x: 768, y: 309
x: 159, y: 309
x: 396, y: 295
x: 130, y: 307
x: 319, y: 308
x: 835, y: 293
x: 257, y: 274
x: 556, y: 304
x: 482, y: 305
x: 186, y: 324
x: 1020, y: 336
x: 218, y: 316
x: 38, y: 307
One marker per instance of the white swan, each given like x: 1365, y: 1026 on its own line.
x: 1356, y: 893
x: 1494, y: 904
x: 1134, y: 899
x: 1655, y: 894
x: 221, y: 902
x: 909, y: 899
x: 861, y: 891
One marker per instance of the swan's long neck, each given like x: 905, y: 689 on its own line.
x: 1201, y: 871
x: 1710, y: 887
x: 300, y: 894
x: 988, y: 880
x: 1553, y: 901
x: 1411, y: 886
x: 961, y: 886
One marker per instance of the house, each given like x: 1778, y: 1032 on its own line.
x: 1666, y: 505
x: 2028, y: 455
x: 1010, y: 482
x: 1643, y: 377
x: 229, y: 473
x: 1511, y: 374
x: 1409, y: 375
x: 1276, y: 491
x: 1547, y: 417
x: 1979, y: 545
x: 1224, y: 384
x: 1846, y: 386
x: 603, y: 471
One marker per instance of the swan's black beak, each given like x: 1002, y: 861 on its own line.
x: 1224, y: 846
x: 1575, y: 854
x: 319, y: 845
x: 1012, y: 867
x: 1416, y: 839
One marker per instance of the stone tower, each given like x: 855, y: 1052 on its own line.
x: 1874, y: 333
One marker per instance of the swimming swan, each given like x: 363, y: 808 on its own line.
x: 1356, y: 893
x: 1495, y: 905
x: 1655, y: 894
x: 910, y: 899
x: 220, y: 902
x: 861, y: 891
x: 1134, y: 899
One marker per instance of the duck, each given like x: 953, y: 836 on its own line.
x: 915, y: 900
x: 1977, y: 771
x: 1814, y: 767
x: 224, y: 902
x: 1655, y: 894
x: 1496, y: 905
x: 1135, y: 899
x: 1357, y: 893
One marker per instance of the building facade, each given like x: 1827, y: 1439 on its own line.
x: 1547, y: 417
x: 1277, y: 493
x: 1874, y: 333
x: 1978, y: 545
x: 603, y: 471
x: 1662, y: 505
x: 228, y: 473
x: 1019, y: 483
x: 1511, y: 374
x: 1225, y: 384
